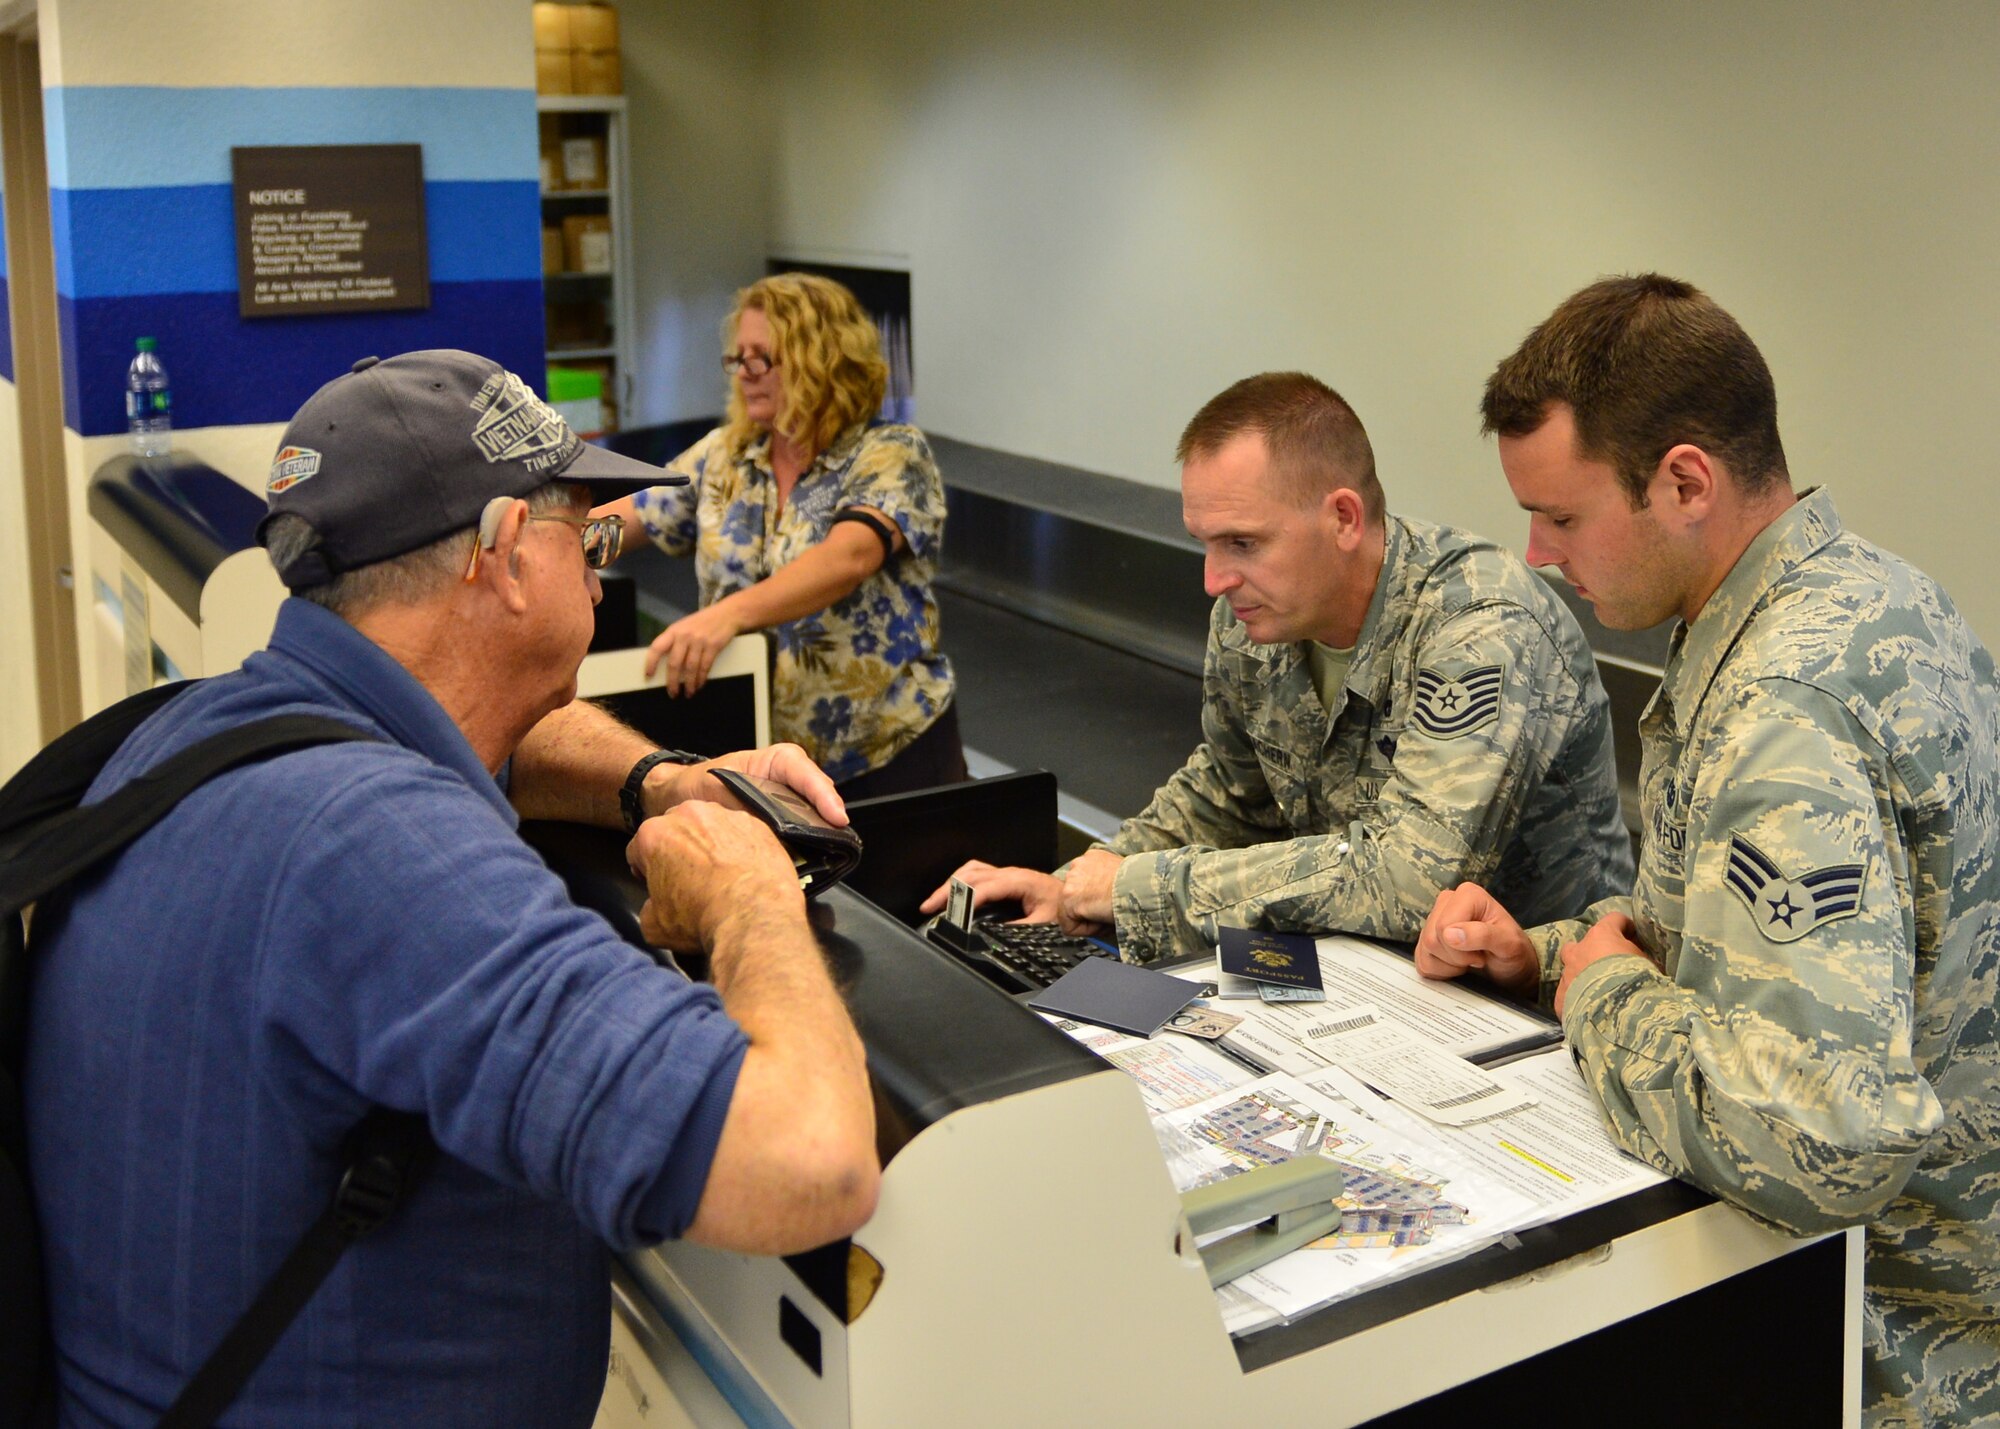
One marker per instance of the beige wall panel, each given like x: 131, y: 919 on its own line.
x: 697, y: 79
x: 1112, y: 211
x: 472, y: 44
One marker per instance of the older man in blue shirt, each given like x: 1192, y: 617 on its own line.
x: 359, y: 925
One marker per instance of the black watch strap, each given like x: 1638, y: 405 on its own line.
x: 628, y: 796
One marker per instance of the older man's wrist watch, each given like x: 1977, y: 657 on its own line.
x: 635, y: 783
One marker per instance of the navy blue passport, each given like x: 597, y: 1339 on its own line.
x: 1116, y: 995
x: 1285, y: 959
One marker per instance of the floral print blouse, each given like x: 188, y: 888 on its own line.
x: 857, y: 682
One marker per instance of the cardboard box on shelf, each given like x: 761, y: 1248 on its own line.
x: 552, y: 250
x: 583, y: 162
x: 573, y: 323
x: 576, y: 49
x: 552, y: 26
x: 587, y: 242
x: 552, y: 72
x: 548, y: 136
x: 592, y: 27
x: 596, y: 72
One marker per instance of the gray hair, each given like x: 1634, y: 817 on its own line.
x: 409, y: 579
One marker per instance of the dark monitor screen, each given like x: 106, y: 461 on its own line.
x: 719, y: 718
x: 911, y: 843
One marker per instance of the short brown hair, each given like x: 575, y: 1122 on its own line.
x: 408, y: 579
x: 1645, y: 363
x: 1316, y: 442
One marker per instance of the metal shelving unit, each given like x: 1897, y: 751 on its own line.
x: 603, y: 116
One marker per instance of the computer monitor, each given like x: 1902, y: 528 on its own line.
x: 731, y: 711
x: 911, y: 843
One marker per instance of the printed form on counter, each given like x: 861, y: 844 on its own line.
x: 1457, y: 1018
x: 1417, y: 1192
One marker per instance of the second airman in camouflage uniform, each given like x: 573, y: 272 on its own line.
x: 1821, y: 839
x: 1471, y: 740
x: 1799, y: 1006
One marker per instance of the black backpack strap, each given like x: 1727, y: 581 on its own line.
x: 46, y: 841
x: 388, y: 1154
x: 56, y: 778
x: 67, y: 844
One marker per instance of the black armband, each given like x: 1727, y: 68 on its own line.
x: 884, y: 532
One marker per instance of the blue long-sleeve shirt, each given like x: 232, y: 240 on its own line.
x: 351, y: 925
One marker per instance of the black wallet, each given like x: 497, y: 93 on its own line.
x: 822, y: 853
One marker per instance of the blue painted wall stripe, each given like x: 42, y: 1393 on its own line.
x: 229, y: 371
x: 125, y: 242
x: 146, y: 136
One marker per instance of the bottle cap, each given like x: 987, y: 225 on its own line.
x: 145, y: 344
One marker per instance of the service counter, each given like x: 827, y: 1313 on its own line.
x: 177, y: 584
x: 1028, y: 1263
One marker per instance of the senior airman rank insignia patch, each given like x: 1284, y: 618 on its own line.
x: 1786, y: 909
x: 1448, y: 706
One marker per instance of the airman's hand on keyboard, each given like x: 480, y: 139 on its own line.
x: 1039, y: 894
x: 1037, y: 953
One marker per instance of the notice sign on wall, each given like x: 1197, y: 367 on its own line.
x: 331, y: 228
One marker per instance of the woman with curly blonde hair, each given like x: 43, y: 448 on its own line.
x: 808, y: 519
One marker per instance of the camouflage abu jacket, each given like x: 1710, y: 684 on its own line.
x: 856, y: 682
x: 1473, y: 742
x: 1819, y: 888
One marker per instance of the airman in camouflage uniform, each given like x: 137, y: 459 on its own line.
x: 1472, y: 740
x: 1798, y: 1008
x: 1822, y: 829
x: 1388, y: 707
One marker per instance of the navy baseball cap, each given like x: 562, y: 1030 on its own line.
x: 402, y: 451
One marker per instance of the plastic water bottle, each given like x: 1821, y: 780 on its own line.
x: 149, y: 405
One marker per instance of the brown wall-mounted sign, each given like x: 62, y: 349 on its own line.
x: 330, y: 228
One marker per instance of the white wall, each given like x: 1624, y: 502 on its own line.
x: 1111, y: 211
x: 701, y: 112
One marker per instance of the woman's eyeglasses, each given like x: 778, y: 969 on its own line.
x: 746, y: 364
x: 602, y: 535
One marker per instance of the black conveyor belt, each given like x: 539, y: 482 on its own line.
x: 1110, y: 726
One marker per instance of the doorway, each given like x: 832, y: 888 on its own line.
x: 50, y: 667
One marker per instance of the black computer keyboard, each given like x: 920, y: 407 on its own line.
x: 1024, y: 957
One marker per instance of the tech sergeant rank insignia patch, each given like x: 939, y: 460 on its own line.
x: 1786, y: 909
x: 1448, y: 707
